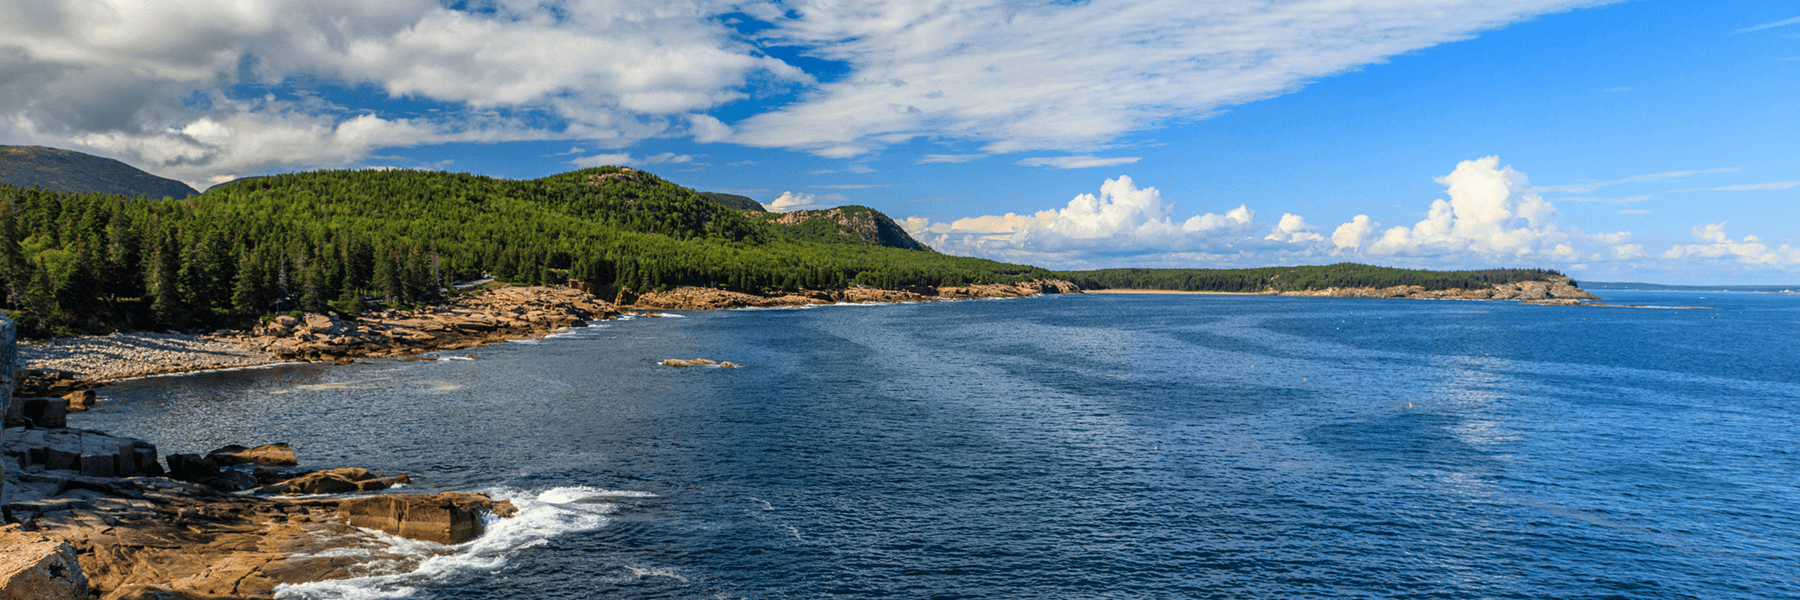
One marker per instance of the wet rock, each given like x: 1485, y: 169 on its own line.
x: 690, y: 362
x: 34, y: 566
x: 447, y: 518
x: 80, y: 401
x: 44, y: 413
x: 334, y: 481
x: 274, y: 455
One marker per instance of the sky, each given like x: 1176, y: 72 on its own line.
x: 1645, y: 140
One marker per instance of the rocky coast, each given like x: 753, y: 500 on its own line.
x: 698, y: 298
x: 1554, y: 290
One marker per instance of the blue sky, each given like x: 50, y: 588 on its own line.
x: 1643, y: 141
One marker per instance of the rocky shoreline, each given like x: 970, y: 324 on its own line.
x: 697, y: 298
x: 1554, y: 291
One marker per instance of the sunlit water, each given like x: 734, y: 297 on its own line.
x: 1094, y: 446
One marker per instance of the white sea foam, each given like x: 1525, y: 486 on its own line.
x: 542, y: 517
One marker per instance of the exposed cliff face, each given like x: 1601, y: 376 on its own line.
x: 696, y: 298
x: 853, y: 224
x: 1554, y: 290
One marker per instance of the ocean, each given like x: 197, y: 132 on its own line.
x: 1083, y: 446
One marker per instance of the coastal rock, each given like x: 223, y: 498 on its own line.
x: 1552, y: 290
x: 334, y: 481
x: 44, y: 413
x: 689, y: 362
x: 275, y: 455
x: 38, y: 567
x: 80, y: 401
x: 699, y: 298
x: 447, y: 518
x: 85, y: 452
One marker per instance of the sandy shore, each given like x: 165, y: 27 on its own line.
x: 127, y: 355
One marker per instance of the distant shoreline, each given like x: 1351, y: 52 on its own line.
x: 1145, y: 291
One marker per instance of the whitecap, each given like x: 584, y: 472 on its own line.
x: 542, y: 517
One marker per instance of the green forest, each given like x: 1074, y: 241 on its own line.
x: 75, y: 263
x: 343, y: 240
x: 1284, y: 279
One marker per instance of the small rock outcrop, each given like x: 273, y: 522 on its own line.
x: 698, y: 362
x: 334, y: 481
x: 274, y: 455
x: 38, y: 567
x: 447, y: 518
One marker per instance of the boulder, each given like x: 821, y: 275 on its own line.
x: 80, y: 401
x: 447, y: 518
x: 45, y: 413
x: 274, y: 455
x: 692, y: 362
x: 197, y: 469
x: 335, y: 481
x: 38, y: 567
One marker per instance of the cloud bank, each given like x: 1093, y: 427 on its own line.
x: 1493, y: 217
x: 215, y: 88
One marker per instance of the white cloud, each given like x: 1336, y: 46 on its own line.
x: 1589, y: 187
x: 947, y: 158
x: 1625, y: 200
x: 1078, y: 162
x: 1750, y: 250
x: 1489, y: 214
x: 791, y: 201
x: 1746, y: 187
x: 1076, y: 75
x: 1293, y: 229
x: 152, y: 82
x: 626, y: 159
x: 1781, y: 23
x: 1122, y: 220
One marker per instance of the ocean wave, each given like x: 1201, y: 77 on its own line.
x: 412, y: 564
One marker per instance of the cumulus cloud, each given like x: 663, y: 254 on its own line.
x: 1078, y: 162
x: 156, y: 82
x: 1749, y: 250
x: 1076, y: 75
x: 1293, y: 229
x: 1489, y: 214
x: 791, y: 201
x: 1123, y: 219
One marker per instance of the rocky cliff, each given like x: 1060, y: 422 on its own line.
x: 853, y: 224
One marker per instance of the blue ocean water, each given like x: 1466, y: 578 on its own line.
x: 1088, y: 446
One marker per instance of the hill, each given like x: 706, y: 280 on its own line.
x: 734, y: 201
x: 342, y: 239
x: 70, y: 171
x: 843, y: 224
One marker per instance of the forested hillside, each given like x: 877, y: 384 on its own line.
x: 1341, y: 275
x: 339, y: 239
x: 71, y: 171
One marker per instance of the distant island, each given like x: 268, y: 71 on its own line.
x: 73, y: 260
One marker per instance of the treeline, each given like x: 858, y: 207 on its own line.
x: 1340, y: 275
x: 342, y: 240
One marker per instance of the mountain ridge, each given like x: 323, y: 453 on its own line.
x: 77, y: 172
